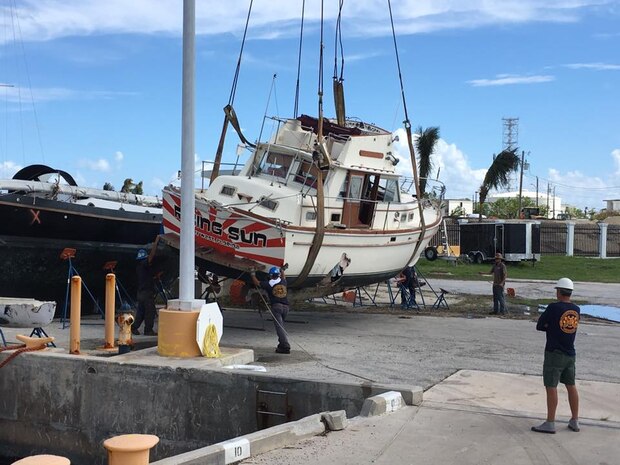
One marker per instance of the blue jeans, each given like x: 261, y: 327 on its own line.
x: 499, y: 304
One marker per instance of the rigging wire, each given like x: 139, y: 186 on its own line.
x: 233, y: 89
x: 338, y: 45
x: 262, y: 126
x: 301, y: 37
x: 19, y: 43
x: 407, y: 124
x: 320, y: 89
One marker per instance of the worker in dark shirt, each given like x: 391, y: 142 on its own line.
x: 145, y: 311
x: 276, y: 289
x: 560, y: 321
x: 500, y: 273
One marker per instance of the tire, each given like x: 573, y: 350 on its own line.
x: 479, y: 259
x: 430, y: 253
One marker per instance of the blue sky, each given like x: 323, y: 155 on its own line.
x: 95, y: 87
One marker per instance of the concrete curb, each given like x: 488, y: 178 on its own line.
x: 382, y: 403
x: 240, y: 448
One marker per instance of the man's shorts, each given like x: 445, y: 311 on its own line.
x: 558, y: 367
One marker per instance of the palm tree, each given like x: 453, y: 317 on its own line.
x: 497, y: 174
x: 425, y: 146
x: 127, y: 185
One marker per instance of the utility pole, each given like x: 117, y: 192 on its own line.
x: 536, y: 191
x: 548, y: 190
x: 554, y: 202
x: 521, y: 182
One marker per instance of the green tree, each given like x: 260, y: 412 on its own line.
x: 425, y: 147
x: 130, y: 188
x: 458, y: 211
x: 497, y: 174
x: 127, y: 185
x: 108, y: 187
x: 138, y: 189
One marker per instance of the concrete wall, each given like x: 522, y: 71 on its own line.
x: 67, y: 405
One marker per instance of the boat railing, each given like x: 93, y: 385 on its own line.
x: 434, y: 188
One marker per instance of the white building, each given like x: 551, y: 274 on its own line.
x: 451, y: 206
x: 613, y: 205
x: 553, y: 204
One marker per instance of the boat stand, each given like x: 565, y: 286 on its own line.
x: 40, y: 332
x: 68, y: 254
x: 3, y: 339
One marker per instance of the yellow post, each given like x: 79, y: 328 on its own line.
x: 177, y: 334
x: 130, y: 449
x: 43, y: 460
x: 110, y: 303
x: 76, y: 315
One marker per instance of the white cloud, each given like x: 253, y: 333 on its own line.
x: 594, y: 66
x: 506, y: 79
x: 615, y: 155
x: 41, y: 20
x: 16, y: 94
x: 118, y: 156
x: 450, y: 163
x: 101, y: 165
x: 9, y: 168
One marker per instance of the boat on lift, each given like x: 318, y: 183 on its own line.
x: 268, y: 215
x: 322, y: 195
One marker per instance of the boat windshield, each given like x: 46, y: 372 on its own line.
x: 276, y: 164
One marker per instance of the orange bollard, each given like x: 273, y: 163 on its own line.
x: 130, y: 449
x: 43, y: 460
x: 110, y: 304
x: 76, y: 315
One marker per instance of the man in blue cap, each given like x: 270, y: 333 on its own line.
x: 146, y: 292
x: 277, y: 291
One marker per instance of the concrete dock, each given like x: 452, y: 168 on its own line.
x: 481, y: 377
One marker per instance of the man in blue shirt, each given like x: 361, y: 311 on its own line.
x: 560, y: 321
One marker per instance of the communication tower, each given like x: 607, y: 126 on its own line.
x: 511, y: 133
x: 510, y: 141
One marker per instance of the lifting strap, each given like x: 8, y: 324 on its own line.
x: 230, y: 117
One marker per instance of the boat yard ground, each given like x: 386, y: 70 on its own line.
x: 481, y: 377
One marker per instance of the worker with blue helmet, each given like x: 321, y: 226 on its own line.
x: 145, y: 307
x: 276, y: 289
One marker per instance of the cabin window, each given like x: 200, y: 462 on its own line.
x: 228, y: 190
x: 410, y: 216
x: 276, y: 164
x: 388, y: 190
x: 403, y: 217
x: 268, y: 203
x: 335, y: 217
x: 310, y: 216
x: 306, y: 174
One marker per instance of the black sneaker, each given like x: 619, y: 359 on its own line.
x: 150, y: 333
x: 281, y: 350
x: 135, y: 332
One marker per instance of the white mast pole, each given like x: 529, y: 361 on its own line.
x: 188, y: 201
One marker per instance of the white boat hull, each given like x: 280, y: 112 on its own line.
x: 25, y: 313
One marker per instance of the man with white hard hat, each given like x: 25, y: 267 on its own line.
x: 560, y: 320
